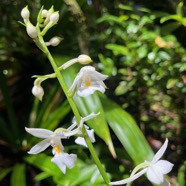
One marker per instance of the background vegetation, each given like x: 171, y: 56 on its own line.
x: 139, y: 44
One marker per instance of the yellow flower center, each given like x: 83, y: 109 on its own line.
x: 87, y: 83
x: 57, y: 149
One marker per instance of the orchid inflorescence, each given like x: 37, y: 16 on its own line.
x: 87, y: 81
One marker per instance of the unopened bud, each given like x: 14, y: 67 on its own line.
x: 84, y: 59
x: 54, y: 41
x: 44, y: 13
x: 25, y: 14
x: 38, y: 92
x: 54, y: 17
x: 31, y: 30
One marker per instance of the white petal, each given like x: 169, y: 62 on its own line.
x: 40, y: 133
x: 100, y: 76
x: 41, y: 146
x: 63, y: 160
x: 69, y: 159
x: 91, y: 135
x: 87, y: 69
x: 164, y: 166
x: 160, y: 152
x: 58, y: 160
x: 84, y: 92
x: 74, y: 124
x: 76, y: 80
x: 130, y: 179
x: 81, y: 141
x: 154, y: 175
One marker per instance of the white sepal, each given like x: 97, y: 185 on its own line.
x: 39, y: 147
x: 40, y: 133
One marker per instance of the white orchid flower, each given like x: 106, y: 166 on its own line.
x: 81, y: 140
x: 155, y: 170
x: 61, y: 159
x: 90, y: 132
x: 87, y: 82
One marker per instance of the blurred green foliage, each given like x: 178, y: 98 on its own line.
x: 138, y: 48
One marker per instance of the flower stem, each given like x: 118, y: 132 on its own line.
x: 74, y: 109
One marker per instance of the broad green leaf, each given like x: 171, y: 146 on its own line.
x: 127, y: 131
x: 18, y: 177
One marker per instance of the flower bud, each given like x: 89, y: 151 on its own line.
x: 25, y: 14
x: 44, y: 13
x: 54, y: 17
x: 38, y: 92
x: 31, y: 30
x: 84, y: 59
x: 54, y: 41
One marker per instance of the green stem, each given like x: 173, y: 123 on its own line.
x: 74, y: 109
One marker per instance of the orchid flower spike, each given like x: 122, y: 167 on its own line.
x: 87, y: 82
x: 61, y: 159
x: 155, y: 170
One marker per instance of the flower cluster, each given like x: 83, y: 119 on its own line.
x: 61, y: 159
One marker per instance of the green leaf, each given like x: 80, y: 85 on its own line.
x: 111, y: 19
x: 56, y: 116
x: 127, y: 131
x: 171, y: 83
x: 4, y: 172
x: 43, y: 162
x: 42, y: 176
x: 18, y: 177
x: 125, y: 7
x: 118, y: 49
